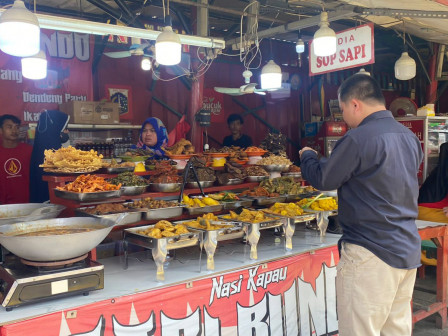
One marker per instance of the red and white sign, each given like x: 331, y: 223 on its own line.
x: 291, y: 296
x: 214, y: 102
x: 355, y: 47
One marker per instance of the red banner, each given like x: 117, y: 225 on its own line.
x: 292, y: 296
x: 69, y: 76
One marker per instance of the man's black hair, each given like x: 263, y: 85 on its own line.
x: 362, y: 87
x: 5, y: 117
x: 234, y: 117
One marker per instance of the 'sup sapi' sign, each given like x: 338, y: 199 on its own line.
x: 355, y: 47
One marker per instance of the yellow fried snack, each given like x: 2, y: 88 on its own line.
x: 70, y: 159
x: 286, y: 209
x: 164, y: 228
x: 250, y: 216
x: 89, y: 183
x: 204, y: 223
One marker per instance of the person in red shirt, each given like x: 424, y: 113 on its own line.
x: 14, y: 163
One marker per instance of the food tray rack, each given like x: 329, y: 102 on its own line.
x: 159, y: 246
x: 210, y: 238
x: 231, y: 205
x: 204, y: 210
x: 322, y: 218
x: 252, y: 231
x: 162, y: 213
x: 86, y: 197
x: 130, y: 217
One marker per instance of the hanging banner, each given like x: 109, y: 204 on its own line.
x: 291, y: 296
x: 214, y: 102
x: 355, y: 47
x: 69, y: 76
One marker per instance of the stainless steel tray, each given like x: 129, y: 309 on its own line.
x: 162, y: 213
x: 297, y: 219
x: 133, y: 190
x: 118, y: 170
x: 233, y: 181
x: 245, y: 203
x: 276, y: 168
x: 159, y: 247
x: 131, y: 216
x: 26, y: 212
x: 267, y: 224
x: 204, y: 184
x: 85, y: 197
x: 256, y: 178
x: 262, y: 200
x: 204, y: 210
x: 292, y: 174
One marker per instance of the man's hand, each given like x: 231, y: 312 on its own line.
x: 306, y: 149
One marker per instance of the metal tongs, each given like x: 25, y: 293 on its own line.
x: 312, y: 201
x: 187, y: 168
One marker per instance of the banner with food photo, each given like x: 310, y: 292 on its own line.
x: 291, y: 296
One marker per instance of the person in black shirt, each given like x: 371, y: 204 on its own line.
x: 235, y: 123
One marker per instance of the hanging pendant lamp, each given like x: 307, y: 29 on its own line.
x: 405, y: 67
x: 146, y: 64
x: 35, y: 67
x: 271, y: 76
x: 324, y: 41
x: 168, y: 46
x: 19, y: 31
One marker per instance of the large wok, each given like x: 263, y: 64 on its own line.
x: 53, y: 247
x: 15, y: 213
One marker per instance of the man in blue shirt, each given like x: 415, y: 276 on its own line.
x: 374, y: 167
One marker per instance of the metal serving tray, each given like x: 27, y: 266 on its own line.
x: 131, y: 216
x: 159, y: 247
x: 162, y: 213
x: 245, y: 203
x: 204, y: 210
x: 133, y: 190
x: 210, y: 238
x: 256, y: 178
x: 322, y: 218
x: 118, y: 170
x: 233, y: 181
x: 85, y: 197
x: 263, y: 200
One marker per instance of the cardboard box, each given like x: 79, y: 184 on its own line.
x: 94, y: 113
x: 80, y: 112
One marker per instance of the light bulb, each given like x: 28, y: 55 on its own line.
x: 271, y: 76
x: 19, y: 31
x: 35, y: 67
x: 168, y: 47
x: 324, y: 42
x: 146, y: 64
x: 300, y: 46
x: 405, y: 67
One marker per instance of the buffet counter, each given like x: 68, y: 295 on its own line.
x: 191, y: 298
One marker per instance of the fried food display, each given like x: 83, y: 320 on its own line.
x: 129, y: 179
x: 165, y: 172
x: 181, y: 147
x: 89, y: 183
x: 286, y: 209
x: 285, y: 185
x: 225, y: 196
x: 274, y: 160
x: 70, y: 159
x: 248, y: 216
x: 255, y: 171
x: 115, y: 164
x: 322, y: 204
x: 255, y: 149
x: 204, y: 223
x: 163, y: 229
x: 150, y: 203
x: 106, y: 208
x: 199, y: 202
x: 258, y: 192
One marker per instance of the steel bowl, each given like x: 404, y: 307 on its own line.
x: 291, y: 174
x: 256, y: 178
x: 14, y: 213
x: 133, y: 190
x: 165, y: 187
x: 276, y: 168
x: 204, y: 184
x: 53, y: 246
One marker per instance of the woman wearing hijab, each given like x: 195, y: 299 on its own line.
x: 49, y: 135
x: 153, y: 135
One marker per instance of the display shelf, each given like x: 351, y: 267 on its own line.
x: 99, y: 127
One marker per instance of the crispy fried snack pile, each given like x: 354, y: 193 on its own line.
x: 89, y: 183
x: 70, y: 159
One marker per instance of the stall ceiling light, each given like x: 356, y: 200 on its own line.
x: 405, y: 67
x: 35, y: 67
x: 146, y: 64
x: 300, y: 46
x: 271, y: 76
x: 96, y: 28
x: 19, y: 31
x: 324, y: 41
x: 168, y: 47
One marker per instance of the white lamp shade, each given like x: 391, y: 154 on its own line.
x: 300, y: 46
x: 271, y: 76
x: 35, y: 67
x: 405, y: 67
x: 324, y: 41
x: 19, y: 31
x: 168, y: 47
x: 146, y: 64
